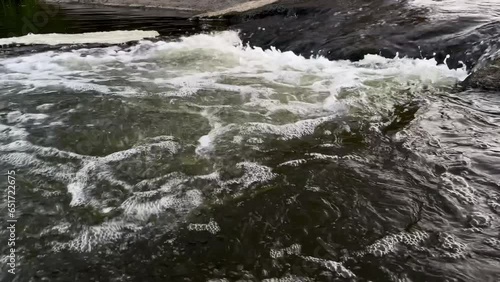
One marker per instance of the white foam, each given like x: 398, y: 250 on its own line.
x: 390, y: 243
x: 183, y: 68
x: 494, y: 203
x: 288, y: 278
x: 293, y: 163
x: 18, y: 117
x: 92, y: 236
x: 108, y: 37
x: 44, y: 107
x: 480, y: 220
x: 458, y: 187
x: 206, y: 141
x: 254, y: 173
x: 294, y: 249
x: 211, y: 227
x: 288, y: 131
x: 142, y: 206
x: 318, y: 156
x: 336, y: 267
x: 92, y: 168
x: 12, y: 133
x: 264, y: 83
x: 451, y: 246
x: 83, y: 174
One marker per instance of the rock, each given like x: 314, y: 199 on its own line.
x: 194, y: 7
x: 348, y: 30
x: 485, y: 76
x: 239, y: 7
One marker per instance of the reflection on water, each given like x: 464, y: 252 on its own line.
x: 31, y: 16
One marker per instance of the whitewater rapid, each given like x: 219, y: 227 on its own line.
x: 143, y: 138
x: 264, y: 84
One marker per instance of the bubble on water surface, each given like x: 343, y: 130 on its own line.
x: 211, y: 227
x: 478, y: 219
x: 493, y: 242
x: 288, y: 278
x: 293, y: 163
x: 458, y: 187
x: 452, y: 247
x: 92, y: 236
x: 336, y: 267
x: 390, y: 243
x: 294, y: 249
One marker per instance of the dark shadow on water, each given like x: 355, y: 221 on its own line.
x: 22, y: 17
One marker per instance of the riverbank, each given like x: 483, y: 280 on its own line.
x: 199, y: 7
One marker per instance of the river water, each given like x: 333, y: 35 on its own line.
x: 192, y: 156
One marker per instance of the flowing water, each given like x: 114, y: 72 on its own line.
x: 201, y: 158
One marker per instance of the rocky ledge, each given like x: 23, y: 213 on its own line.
x: 197, y: 7
x: 485, y: 76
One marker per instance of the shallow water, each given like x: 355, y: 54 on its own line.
x: 171, y: 160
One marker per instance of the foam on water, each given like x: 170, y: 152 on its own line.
x: 18, y: 117
x: 92, y: 236
x: 12, y: 133
x: 82, y: 176
x: 282, y: 132
x: 336, y: 267
x: 494, y: 203
x: 391, y: 243
x: 451, y: 246
x: 109, y: 37
x: 252, y: 173
x: 246, y: 94
x: 458, y: 187
x: 184, y: 67
x: 294, y: 249
x: 288, y: 278
x: 93, y: 166
x: 288, y: 131
x: 293, y: 163
x: 480, y: 220
x: 142, y: 205
x: 211, y: 227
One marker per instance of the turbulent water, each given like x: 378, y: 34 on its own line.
x: 202, y: 158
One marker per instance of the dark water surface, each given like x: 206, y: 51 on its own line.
x: 33, y: 17
x: 191, y: 157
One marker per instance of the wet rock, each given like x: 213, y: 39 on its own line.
x: 351, y: 29
x: 485, y: 77
x: 210, y: 7
x: 403, y: 115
